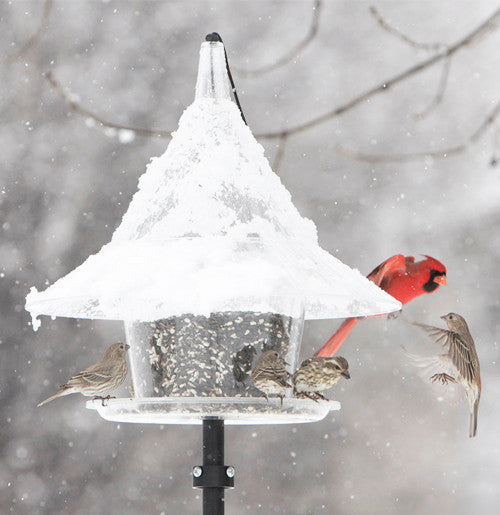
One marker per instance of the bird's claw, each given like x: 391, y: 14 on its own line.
x: 102, y: 399
x: 394, y: 315
x: 314, y: 396
x: 443, y: 378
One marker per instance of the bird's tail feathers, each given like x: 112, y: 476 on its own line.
x: 473, y: 417
x: 335, y: 341
x: 60, y: 393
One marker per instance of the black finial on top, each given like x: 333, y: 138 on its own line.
x: 213, y: 37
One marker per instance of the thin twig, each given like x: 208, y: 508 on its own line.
x: 489, y: 24
x: 279, y: 154
x: 75, y: 106
x: 436, y: 154
x: 291, y: 54
x: 438, y: 97
x: 33, y: 40
x: 430, y: 47
x: 495, y: 155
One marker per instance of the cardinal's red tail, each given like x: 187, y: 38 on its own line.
x: 333, y: 344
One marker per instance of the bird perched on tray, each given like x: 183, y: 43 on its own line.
x: 269, y: 375
x: 316, y: 375
x: 456, y: 371
x: 401, y: 277
x: 242, y: 363
x: 98, y: 379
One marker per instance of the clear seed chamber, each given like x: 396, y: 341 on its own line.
x: 199, y: 356
x: 188, y: 367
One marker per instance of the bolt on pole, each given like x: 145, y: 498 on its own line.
x: 213, y: 476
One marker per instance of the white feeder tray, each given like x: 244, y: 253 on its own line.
x: 233, y: 410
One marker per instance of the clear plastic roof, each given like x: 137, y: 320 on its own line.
x: 211, y: 228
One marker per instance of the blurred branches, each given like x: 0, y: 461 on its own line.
x: 440, y: 54
x: 73, y: 102
x: 438, y: 97
x: 385, y: 25
x: 291, y: 54
x: 448, y: 52
x: 481, y: 30
x: 280, y: 151
x: 35, y: 38
x: 436, y: 154
x: 429, y: 47
x: 496, y: 147
x: 443, y: 53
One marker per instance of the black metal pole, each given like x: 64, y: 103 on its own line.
x: 213, y: 476
x: 213, y: 454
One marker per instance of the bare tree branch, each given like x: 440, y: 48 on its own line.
x: 279, y: 154
x: 495, y: 155
x: 488, y: 25
x: 436, y: 154
x: 293, y: 53
x: 33, y: 40
x: 481, y: 30
x: 431, y: 47
x: 438, y: 97
x: 72, y: 101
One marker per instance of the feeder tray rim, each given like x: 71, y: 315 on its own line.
x: 193, y: 410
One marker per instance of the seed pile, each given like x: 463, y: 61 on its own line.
x: 200, y: 356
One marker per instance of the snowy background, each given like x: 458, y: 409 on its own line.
x: 65, y: 186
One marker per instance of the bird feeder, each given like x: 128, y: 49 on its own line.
x: 211, y: 265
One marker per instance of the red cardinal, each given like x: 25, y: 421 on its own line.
x: 400, y: 277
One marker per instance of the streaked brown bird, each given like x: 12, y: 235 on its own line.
x: 242, y: 363
x: 269, y: 375
x: 317, y: 374
x: 457, y: 370
x: 99, y: 379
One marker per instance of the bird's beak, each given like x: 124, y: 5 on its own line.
x: 127, y: 347
x: 346, y: 374
x: 443, y: 317
x: 440, y: 279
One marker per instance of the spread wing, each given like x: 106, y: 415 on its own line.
x: 443, y: 376
x: 397, y: 262
x: 461, y: 353
x: 439, y: 335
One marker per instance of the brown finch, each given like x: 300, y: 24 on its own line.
x: 98, y: 379
x: 316, y: 375
x: 269, y: 375
x: 458, y: 369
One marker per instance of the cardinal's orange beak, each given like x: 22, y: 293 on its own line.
x: 440, y: 279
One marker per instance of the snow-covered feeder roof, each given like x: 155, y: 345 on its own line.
x: 211, y: 228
